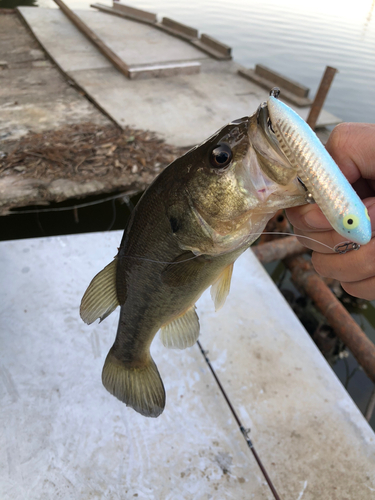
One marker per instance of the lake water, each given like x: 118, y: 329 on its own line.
x: 296, y: 38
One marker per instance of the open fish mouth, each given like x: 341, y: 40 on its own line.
x: 271, y: 172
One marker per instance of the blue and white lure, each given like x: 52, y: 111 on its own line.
x: 319, y: 173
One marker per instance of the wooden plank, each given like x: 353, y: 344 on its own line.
x: 94, y: 39
x: 225, y: 50
x: 133, y: 13
x: 183, y: 28
x: 164, y: 70
x: 251, y: 75
x: 282, y: 81
x: 120, y: 13
x: 211, y: 50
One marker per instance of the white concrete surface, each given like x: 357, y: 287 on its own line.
x: 184, y: 110
x: 63, y: 436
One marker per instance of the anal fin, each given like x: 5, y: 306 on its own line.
x: 221, y: 287
x: 182, y: 332
x: 138, y: 386
x: 100, y: 298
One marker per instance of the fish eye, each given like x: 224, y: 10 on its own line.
x: 350, y: 221
x: 221, y: 155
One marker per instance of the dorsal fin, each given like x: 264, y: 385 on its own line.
x: 221, y: 287
x: 100, y: 298
x: 181, y: 332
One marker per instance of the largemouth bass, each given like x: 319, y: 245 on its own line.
x: 197, y: 217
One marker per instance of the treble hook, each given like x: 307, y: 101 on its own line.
x: 309, y: 197
x: 275, y: 92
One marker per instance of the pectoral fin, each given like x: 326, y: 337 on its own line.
x: 183, y: 270
x: 221, y: 287
x: 182, y: 332
x: 100, y: 298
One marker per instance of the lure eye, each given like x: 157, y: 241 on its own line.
x: 350, y: 221
x: 367, y: 215
x: 221, y: 155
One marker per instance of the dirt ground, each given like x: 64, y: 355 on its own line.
x: 76, y: 156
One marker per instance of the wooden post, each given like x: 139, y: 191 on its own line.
x: 321, y: 95
x: 99, y: 44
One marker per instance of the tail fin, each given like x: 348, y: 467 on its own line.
x: 140, y: 387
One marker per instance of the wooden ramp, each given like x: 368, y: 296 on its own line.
x: 64, y: 436
x: 183, y: 109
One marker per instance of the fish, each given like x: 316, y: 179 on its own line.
x: 184, y: 235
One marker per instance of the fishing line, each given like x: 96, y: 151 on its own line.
x: 72, y: 207
x: 114, y: 214
x: 306, y: 237
x: 340, y: 248
x: 245, y: 432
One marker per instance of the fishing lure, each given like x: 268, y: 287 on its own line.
x: 319, y: 173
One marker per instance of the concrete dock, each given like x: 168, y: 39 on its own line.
x: 42, y: 106
x: 34, y: 95
x: 65, y: 437
x: 182, y: 109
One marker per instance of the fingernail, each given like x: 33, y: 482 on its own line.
x: 316, y: 220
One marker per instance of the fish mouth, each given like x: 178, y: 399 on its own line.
x: 271, y: 160
x: 265, y: 124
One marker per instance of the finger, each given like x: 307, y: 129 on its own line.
x: 308, y: 218
x: 352, y: 146
x: 364, y: 289
x: 364, y: 188
x: 356, y: 265
x: 310, y: 224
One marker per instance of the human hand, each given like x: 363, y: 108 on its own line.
x: 352, y: 146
